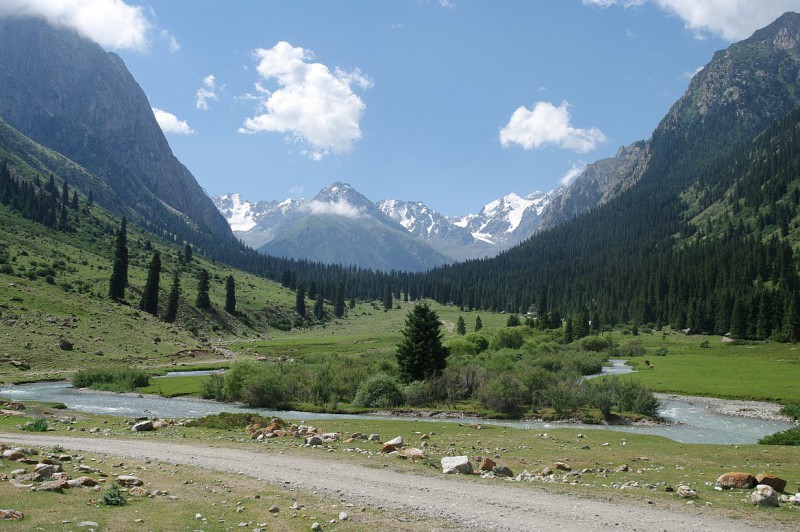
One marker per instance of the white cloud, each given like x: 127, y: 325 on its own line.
x: 689, y: 74
x: 208, y: 91
x: 172, y: 42
x: 171, y: 124
x: 572, y: 173
x: 312, y: 104
x: 546, y: 124
x: 339, y: 207
x: 732, y: 20
x: 111, y: 23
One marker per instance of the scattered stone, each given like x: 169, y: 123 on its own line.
x: 487, y: 465
x: 53, y: 485
x: 621, y: 469
x: 686, y: 492
x: 397, y: 442
x: 11, y: 514
x: 735, y: 480
x: 503, y: 471
x: 333, y: 436
x: 137, y: 491
x: 425, y: 437
x: 764, y: 496
x: 343, y: 516
x: 65, y: 344
x: 142, y: 426
x: 387, y: 448
x: 374, y: 437
x: 412, y: 453
x: 316, y: 526
x: 43, y: 472
x: 546, y: 471
x: 561, y: 466
x: 314, y: 440
x: 89, y: 524
x: 456, y: 464
x: 129, y: 480
x: 274, y: 509
x: 777, y: 483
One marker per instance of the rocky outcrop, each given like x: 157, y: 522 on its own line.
x: 777, y: 483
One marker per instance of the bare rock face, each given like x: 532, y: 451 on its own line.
x: 735, y: 480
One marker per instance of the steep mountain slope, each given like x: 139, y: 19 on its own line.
x: 639, y: 256
x: 68, y: 94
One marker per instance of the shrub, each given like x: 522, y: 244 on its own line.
x: 566, y: 396
x: 212, y: 388
x: 40, y: 425
x: 111, y: 378
x: 792, y: 410
x: 594, y: 343
x: 380, y: 391
x: 631, y: 349
x: 504, y: 393
x: 510, y: 337
x: 661, y: 352
x: 114, y: 496
x: 785, y: 437
x: 637, y: 397
x: 230, y: 421
x: 423, y: 393
x: 480, y: 340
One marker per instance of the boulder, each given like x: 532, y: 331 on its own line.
x: 764, y: 496
x: 313, y: 440
x: 777, y: 483
x: 11, y: 514
x: 86, y: 481
x: 129, y: 480
x: 387, y: 448
x: 686, y: 492
x: 487, y: 464
x: 142, y: 426
x: 561, y: 466
x: 412, y: 453
x: 374, y: 437
x: 332, y: 436
x: 503, y: 471
x: 397, y: 442
x: 137, y: 491
x: 456, y: 464
x: 65, y: 344
x: 54, y: 485
x: 735, y: 480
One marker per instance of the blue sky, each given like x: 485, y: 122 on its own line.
x: 453, y: 103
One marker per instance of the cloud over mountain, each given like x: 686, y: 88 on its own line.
x: 545, y: 124
x: 170, y: 123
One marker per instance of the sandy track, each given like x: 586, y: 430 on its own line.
x: 492, y: 505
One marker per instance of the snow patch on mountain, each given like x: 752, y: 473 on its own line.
x: 238, y: 212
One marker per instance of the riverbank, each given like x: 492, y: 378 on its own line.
x: 733, y: 407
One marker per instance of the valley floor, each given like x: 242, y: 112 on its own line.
x: 467, y: 503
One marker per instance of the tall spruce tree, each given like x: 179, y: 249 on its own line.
x: 202, y: 301
x: 461, y: 327
x: 119, y: 271
x: 300, y: 301
x: 338, y: 301
x: 171, y: 314
x: 478, y: 323
x: 319, y: 308
x: 387, y: 298
x: 188, y: 253
x: 421, y: 353
x: 230, y: 295
x: 149, y: 301
x: 569, y: 331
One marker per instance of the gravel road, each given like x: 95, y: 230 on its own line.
x: 469, y: 505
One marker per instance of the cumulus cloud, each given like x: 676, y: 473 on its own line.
x: 339, y: 207
x: 545, y: 124
x: 572, y: 173
x: 731, y: 20
x: 208, y: 91
x: 171, y: 124
x: 311, y: 104
x: 111, y: 23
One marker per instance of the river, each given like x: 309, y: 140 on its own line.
x: 695, y: 422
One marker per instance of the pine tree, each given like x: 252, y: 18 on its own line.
x: 461, y: 327
x: 65, y: 193
x: 421, y: 353
x: 300, y: 301
x: 149, y: 301
x: 387, y: 298
x: 187, y: 253
x: 202, y: 301
x: 338, y: 301
x: 319, y: 308
x: 174, y: 297
x: 478, y: 323
x: 312, y: 290
x: 569, y: 331
x: 230, y: 295
x: 74, y: 203
x: 119, y: 272
x: 352, y: 302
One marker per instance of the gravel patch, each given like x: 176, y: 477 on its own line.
x: 734, y: 407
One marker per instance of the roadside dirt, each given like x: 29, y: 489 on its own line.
x: 468, y: 504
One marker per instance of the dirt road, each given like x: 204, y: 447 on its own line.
x: 469, y: 504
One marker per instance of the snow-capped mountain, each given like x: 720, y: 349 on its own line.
x: 255, y: 224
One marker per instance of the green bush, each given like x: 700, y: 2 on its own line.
x: 212, y: 388
x: 114, y: 496
x: 111, y: 378
x: 230, y: 421
x: 423, y: 393
x: 792, y: 410
x: 40, y: 425
x: 633, y: 348
x: 510, y: 337
x: 785, y: 437
x: 380, y: 391
x: 566, y: 396
x: 594, y: 343
x: 504, y: 393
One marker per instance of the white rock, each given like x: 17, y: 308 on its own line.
x: 686, y: 492
x: 456, y: 464
x: 343, y: 516
x: 397, y: 442
x: 764, y: 496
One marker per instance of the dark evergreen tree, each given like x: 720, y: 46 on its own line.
x: 338, y: 301
x: 286, y: 278
x: 300, y: 301
x: 569, y: 332
x: 513, y: 320
x: 312, y: 290
x: 230, y: 295
x: 478, y: 323
x: 387, y: 298
x: 171, y: 313
x: 74, y: 203
x: 188, y: 253
x: 119, y: 270
x: 203, y: 301
x: 421, y: 353
x: 149, y: 301
x: 65, y: 193
x: 461, y: 327
x: 319, y: 308
x: 352, y: 304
